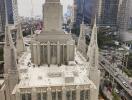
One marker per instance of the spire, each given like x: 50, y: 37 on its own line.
x: 94, y: 73
x: 94, y: 34
x: 93, y: 48
x: 19, y: 31
x: 9, y: 52
x: 20, y: 42
x: 8, y: 37
x: 31, y: 32
x: 82, y: 41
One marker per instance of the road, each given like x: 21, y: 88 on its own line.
x: 120, y: 79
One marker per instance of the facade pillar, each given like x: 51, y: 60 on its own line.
x: 71, y: 95
x: 58, y: 53
x: 32, y: 52
x: 93, y: 93
x: 63, y: 93
x: 78, y: 93
x: 35, y: 53
x: 48, y: 52
x: 18, y: 97
x: 44, y: 54
x: 56, y: 95
x: 38, y: 53
x: 68, y: 51
x: 34, y: 95
x: 41, y: 93
x: 49, y: 94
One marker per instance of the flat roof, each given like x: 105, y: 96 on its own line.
x: 44, y: 76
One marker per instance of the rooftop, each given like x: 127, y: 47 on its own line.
x: 75, y: 73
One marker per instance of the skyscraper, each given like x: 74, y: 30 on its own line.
x: 85, y: 9
x: 12, y: 11
x: 108, y: 13
x: 9, y: 7
x: 2, y: 16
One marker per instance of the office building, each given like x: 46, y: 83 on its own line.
x: 2, y: 16
x: 51, y: 68
x: 85, y: 9
x: 108, y: 12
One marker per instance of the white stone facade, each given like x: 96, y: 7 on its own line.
x: 51, y: 68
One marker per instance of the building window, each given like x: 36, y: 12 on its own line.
x: 60, y: 95
x: 45, y: 96
x: 38, y: 96
x: 53, y: 95
x: 82, y: 95
x: 73, y: 95
x: 87, y: 95
x: 68, y: 95
x: 26, y: 96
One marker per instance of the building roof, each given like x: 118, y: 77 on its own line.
x: 43, y: 76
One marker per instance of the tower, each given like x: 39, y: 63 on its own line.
x: 19, y: 42
x: 94, y: 73
x: 81, y: 41
x: 52, y: 10
x: 10, y: 67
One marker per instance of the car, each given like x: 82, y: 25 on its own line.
x: 103, y: 62
x: 116, y: 74
x: 125, y: 84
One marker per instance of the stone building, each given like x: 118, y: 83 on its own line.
x: 51, y: 68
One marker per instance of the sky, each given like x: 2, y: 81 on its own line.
x: 25, y: 7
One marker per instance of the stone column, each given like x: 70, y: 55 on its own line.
x: 68, y: 51
x: 58, y: 53
x: 38, y: 53
x: 93, y: 93
x: 63, y: 93
x: 56, y: 95
x: 71, y: 95
x: 32, y: 52
x: 48, y: 52
x: 18, y: 97
x: 41, y: 95
x: 44, y: 53
x: 78, y: 93
x: 34, y: 95
x: 35, y: 53
x: 49, y: 94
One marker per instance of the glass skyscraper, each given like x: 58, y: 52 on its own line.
x: 10, y: 11
x: 109, y: 12
x: 2, y: 16
x: 85, y: 10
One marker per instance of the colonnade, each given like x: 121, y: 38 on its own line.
x: 52, y: 53
x: 64, y: 94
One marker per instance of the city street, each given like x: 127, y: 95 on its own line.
x: 118, y: 76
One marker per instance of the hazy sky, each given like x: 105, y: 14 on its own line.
x: 25, y: 7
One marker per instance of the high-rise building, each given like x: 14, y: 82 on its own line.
x: 123, y: 15
x: 52, y: 69
x: 12, y: 11
x: 85, y: 10
x: 2, y: 16
x: 108, y: 12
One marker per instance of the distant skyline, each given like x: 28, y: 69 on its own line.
x: 27, y: 8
